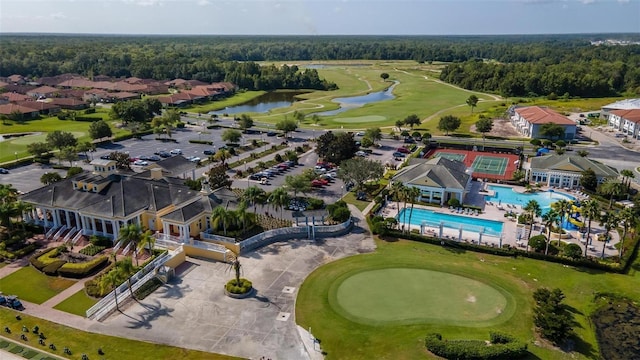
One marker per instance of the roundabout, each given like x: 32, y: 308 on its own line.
x: 409, y: 295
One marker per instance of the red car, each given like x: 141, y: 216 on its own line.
x: 317, y: 183
x: 403, y: 150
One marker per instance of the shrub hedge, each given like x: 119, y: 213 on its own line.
x: 51, y: 269
x: 476, y: 349
x: 18, y: 253
x: 510, y: 251
x: 92, y: 250
x: 146, y: 289
x: 80, y: 270
x: 205, y: 142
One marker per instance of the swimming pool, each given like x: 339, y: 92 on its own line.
x: 506, y: 195
x: 432, y: 218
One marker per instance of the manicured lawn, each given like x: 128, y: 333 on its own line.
x: 77, y: 304
x: 350, y: 198
x: 238, y: 98
x: 319, y: 306
x: 31, y: 285
x: 84, y: 342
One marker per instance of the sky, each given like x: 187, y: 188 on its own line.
x: 320, y: 17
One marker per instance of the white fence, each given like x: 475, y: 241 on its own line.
x: 105, y: 306
x: 214, y: 237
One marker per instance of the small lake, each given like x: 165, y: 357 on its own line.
x: 262, y: 103
x: 353, y: 102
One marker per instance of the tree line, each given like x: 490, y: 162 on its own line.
x: 512, y: 65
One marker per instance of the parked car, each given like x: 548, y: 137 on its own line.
x: 403, y: 150
x: 290, y: 163
x: 361, y: 153
x: 359, y: 133
x: 154, y: 158
x: 208, y: 152
x: 176, y: 152
x: 398, y: 154
x: 141, y: 162
x: 105, y: 157
x: 4, y: 171
x: 272, y: 133
x: 283, y: 166
x: 256, y: 176
x: 194, y: 159
x: 409, y: 140
x: 163, y: 153
x: 14, y: 303
x: 317, y: 183
x: 264, y: 181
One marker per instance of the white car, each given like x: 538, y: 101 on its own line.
x: 176, y: 152
x: 141, y: 163
x: 194, y: 159
x: 360, y: 133
x: 361, y: 153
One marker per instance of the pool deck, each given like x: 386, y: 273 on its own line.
x: 510, y: 231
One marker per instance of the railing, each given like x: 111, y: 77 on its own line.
x: 51, y: 232
x: 168, y: 237
x: 77, y: 237
x: 118, y: 246
x: 71, y: 232
x: 209, y: 236
x: 333, y: 228
x: 208, y: 246
x: 126, y: 249
x: 60, y: 231
x: 105, y: 306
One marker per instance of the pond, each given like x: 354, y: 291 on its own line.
x: 353, y: 102
x: 262, y: 103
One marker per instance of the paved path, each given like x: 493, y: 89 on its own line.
x: 79, y: 285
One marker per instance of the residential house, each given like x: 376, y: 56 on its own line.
x: 438, y: 179
x: 16, y: 79
x: 626, y: 121
x: 564, y: 171
x: 26, y: 112
x: 44, y: 108
x: 102, y: 201
x: 43, y: 92
x: 528, y: 121
x: 69, y: 103
x: 626, y: 104
x: 14, y: 97
x: 180, y: 99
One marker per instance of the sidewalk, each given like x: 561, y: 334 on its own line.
x: 79, y: 285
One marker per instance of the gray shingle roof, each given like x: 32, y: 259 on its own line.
x: 220, y: 197
x: 436, y: 172
x: 176, y: 165
x: 122, y: 197
x: 571, y: 163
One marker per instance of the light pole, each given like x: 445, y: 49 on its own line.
x: 16, y: 154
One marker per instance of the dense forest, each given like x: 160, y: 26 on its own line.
x: 512, y: 65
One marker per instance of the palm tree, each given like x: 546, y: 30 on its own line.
x: 22, y: 207
x: 108, y: 281
x: 222, y: 155
x: 404, y: 194
x: 549, y: 220
x: 396, y: 192
x: 126, y: 268
x: 610, y: 221
x: 590, y: 210
x: 534, y: 209
x: 147, y: 239
x: 612, y: 188
x: 413, y: 193
x: 627, y: 175
x: 130, y: 234
x: 628, y: 221
x: 242, y: 216
x: 221, y: 216
x: 279, y: 199
x: 562, y: 206
x: 252, y: 195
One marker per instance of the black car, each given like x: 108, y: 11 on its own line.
x: 257, y: 176
x: 105, y: 157
x: 154, y: 158
x: 271, y: 133
x: 164, y: 154
x: 208, y: 152
x: 4, y: 171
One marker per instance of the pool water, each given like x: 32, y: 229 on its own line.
x: 451, y: 221
x: 506, y: 195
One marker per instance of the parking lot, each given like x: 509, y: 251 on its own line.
x: 27, y: 178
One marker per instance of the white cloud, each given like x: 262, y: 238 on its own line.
x: 203, y: 2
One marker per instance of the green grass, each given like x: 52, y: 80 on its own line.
x: 85, y: 342
x: 77, y: 304
x: 342, y: 338
x: 350, y: 198
x: 31, y: 285
x: 237, y: 99
x: 399, y: 295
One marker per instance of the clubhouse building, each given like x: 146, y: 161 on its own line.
x: 102, y: 201
x: 528, y: 121
x: 564, y: 171
x: 438, y: 179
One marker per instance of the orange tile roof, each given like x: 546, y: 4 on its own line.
x: 7, y: 109
x: 540, y: 115
x: 14, y: 97
x: 632, y: 115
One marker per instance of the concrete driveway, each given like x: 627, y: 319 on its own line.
x: 192, y: 311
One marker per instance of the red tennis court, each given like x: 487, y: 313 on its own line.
x: 486, y: 165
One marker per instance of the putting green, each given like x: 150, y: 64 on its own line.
x: 361, y: 119
x: 409, y: 295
